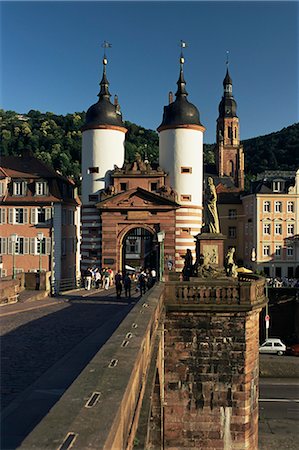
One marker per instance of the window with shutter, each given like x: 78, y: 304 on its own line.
x: 9, y: 245
x: 26, y: 246
x: 32, y: 246
x: 48, y: 213
x: 33, y: 218
x: 2, y: 215
x: 3, y: 245
x: 25, y: 217
x: 48, y: 246
x: 10, y: 215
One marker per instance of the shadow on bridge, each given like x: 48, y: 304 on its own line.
x: 42, y: 358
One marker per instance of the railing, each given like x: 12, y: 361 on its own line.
x: 246, y: 291
x: 66, y: 284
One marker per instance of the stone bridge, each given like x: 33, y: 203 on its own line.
x: 181, y: 371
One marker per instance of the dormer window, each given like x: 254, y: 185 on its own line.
x: 41, y: 188
x: 278, y: 186
x: 19, y: 187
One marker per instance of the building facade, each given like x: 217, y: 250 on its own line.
x: 271, y: 224
x: 40, y: 220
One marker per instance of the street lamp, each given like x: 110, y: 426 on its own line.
x: 161, y: 236
x: 40, y: 237
x: 14, y: 238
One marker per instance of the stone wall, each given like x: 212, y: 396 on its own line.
x: 211, y: 376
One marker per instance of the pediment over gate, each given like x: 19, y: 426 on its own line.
x: 137, y: 198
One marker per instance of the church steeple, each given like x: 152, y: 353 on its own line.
x: 229, y: 155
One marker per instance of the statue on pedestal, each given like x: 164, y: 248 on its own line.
x: 230, y: 266
x: 211, y: 221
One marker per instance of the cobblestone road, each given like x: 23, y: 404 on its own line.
x: 35, y: 339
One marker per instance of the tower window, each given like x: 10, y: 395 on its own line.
x: 154, y: 186
x: 93, y: 198
x: 93, y: 170
x: 186, y: 169
x: 123, y: 186
x: 232, y: 213
x: 185, y: 198
x: 232, y: 232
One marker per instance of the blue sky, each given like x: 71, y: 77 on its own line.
x: 52, y: 58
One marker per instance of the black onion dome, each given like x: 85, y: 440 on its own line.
x: 103, y: 112
x: 180, y: 112
x: 228, y: 107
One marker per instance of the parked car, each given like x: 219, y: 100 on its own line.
x: 273, y: 346
x: 293, y: 350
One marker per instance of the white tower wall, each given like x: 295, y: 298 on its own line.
x: 182, y: 148
x: 102, y: 149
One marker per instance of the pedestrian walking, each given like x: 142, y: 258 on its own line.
x: 127, y: 285
x: 107, y: 279
x: 88, y: 278
x: 97, y: 278
x: 118, y: 284
x: 142, y: 282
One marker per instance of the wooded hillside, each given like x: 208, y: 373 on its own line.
x: 56, y: 140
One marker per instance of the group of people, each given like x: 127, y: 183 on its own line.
x: 142, y: 280
x: 104, y: 278
x: 94, y: 277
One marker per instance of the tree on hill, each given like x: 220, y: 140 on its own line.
x: 275, y: 151
x: 56, y: 140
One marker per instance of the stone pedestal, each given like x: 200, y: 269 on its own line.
x: 212, y: 244
x: 211, y: 363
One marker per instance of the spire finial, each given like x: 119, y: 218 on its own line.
x: 227, y: 59
x: 183, y: 44
x: 181, y: 82
x: 105, y: 45
x: 104, y: 92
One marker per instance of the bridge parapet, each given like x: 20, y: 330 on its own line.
x: 101, y: 408
x: 245, y: 293
x: 181, y: 371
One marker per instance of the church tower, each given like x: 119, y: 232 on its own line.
x: 229, y: 152
x: 103, y: 136
x: 181, y: 154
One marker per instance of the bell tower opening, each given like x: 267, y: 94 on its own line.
x: 140, y: 249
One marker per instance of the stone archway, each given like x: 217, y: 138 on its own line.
x: 139, y: 248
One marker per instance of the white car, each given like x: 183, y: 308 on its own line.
x: 273, y: 346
